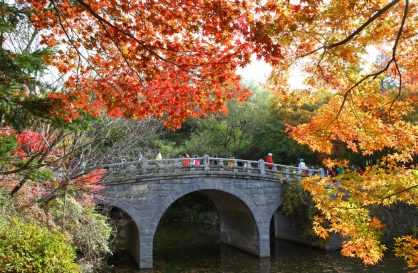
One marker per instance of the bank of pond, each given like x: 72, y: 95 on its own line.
x: 186, y: 247
x: 187, y: 239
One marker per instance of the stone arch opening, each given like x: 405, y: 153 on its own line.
x: 193, y: 208
x: 237, y: 224
x: 127, y: 233
x: 238, y: 227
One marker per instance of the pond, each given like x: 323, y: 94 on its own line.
x: 196, y: 248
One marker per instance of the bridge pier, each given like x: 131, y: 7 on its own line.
x: 291, y: 229
x: 145, y: 244
x: 132, y: 241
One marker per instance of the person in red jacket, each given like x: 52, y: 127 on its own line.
x: 186, y: 163
x: 269, y: 159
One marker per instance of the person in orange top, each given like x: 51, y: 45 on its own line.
x: 186, y: 163
x: 269, y: 159
x: 231, y: 163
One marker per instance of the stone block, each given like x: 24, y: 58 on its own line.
x: 146, y: 239
x: 209, y: 184
x: 140, y: 188
x: 256, y: 192
x: 162, y: 194
x: 260, y: 202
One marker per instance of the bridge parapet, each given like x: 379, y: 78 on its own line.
x: 206, y: 164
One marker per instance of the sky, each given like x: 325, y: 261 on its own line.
x: 259, y: 70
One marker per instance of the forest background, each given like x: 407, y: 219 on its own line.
x: 83, y: 84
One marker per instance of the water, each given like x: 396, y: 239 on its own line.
x: 196, y: 248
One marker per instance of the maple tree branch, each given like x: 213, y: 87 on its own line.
x: 368, y: 22
x: 357, y: 31
x: 399, y: 192
x: 39, y: 165
x: 34, y: 156
x: 120, y: 50
x: 100, y: 18
x: 58, y: 11
x: 49, y: 197
x: 374, y: 75
x: 81, y: 56
x: 394, y: 52
x: 24, y: 167
x: 399, y: 88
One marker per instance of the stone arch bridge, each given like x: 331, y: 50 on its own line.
x: 246, y: 195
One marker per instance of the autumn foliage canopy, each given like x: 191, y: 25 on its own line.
x: 141, y: 58
x: 368, y: 104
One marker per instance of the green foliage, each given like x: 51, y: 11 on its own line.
x: 70, y: 227
x: 187, y: 207
x: 88, y: 229
x: 33, y: 247
x: 273, y: 138
x: 297, y: 203
x: 42, y: 174
x: 223, y: 135
x: 7, y: 144
x: 168, y: 148
x: 251, y: 130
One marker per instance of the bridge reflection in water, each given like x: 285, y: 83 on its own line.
x: 246, y: 195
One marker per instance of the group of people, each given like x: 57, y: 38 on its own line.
x: 300, y: 163
x: 187, y: 163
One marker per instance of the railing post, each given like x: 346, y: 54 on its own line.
x: 249, y: 167
x: 191, y: 164
x: 221, y: 164
x: 206, y: 162
x: 262, y: 167
x: 322, y: 172
x: 144, y: 165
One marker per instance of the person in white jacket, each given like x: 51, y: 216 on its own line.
x: 302, y: 167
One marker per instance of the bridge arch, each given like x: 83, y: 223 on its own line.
x: 199, y: 187
x: 131, y: 228
x: 272, y: 209
x: 242, y: 224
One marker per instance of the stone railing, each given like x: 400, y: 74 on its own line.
x: 207, y: 163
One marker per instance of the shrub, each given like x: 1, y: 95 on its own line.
x: 32, y: 247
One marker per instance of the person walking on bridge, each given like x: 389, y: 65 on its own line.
x: 297, y: 162
x: 231, y: 162
x: 196, y: 161
x: 214, y: 161
x: 186, y: 162
x: 302, y: 167
x: 269, y: 159
x: 159, y: 156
